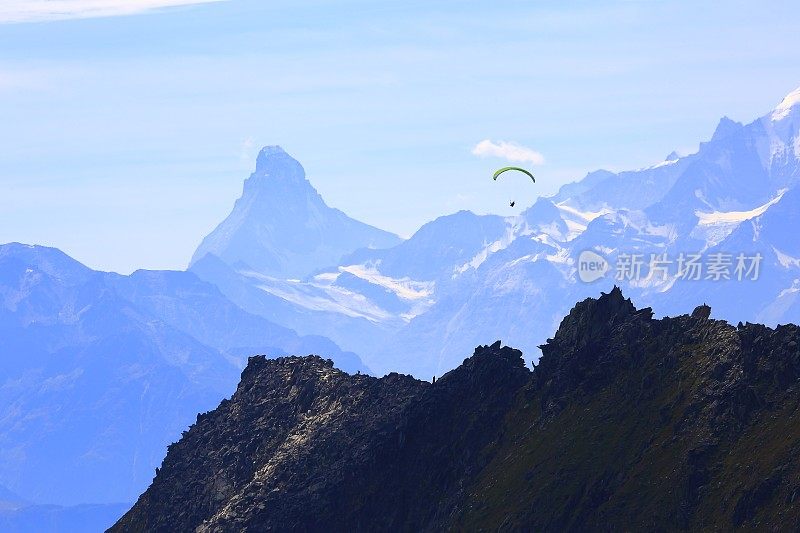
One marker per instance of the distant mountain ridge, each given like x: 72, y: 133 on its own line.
x: 100, y: 371
x: 417, y: 306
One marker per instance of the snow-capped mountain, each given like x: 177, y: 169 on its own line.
x: 465, y: 279
x: 282, y: 227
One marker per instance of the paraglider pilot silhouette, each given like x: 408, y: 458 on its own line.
x: 518, y: 169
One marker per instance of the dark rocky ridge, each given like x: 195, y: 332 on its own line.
x: 627, y: 423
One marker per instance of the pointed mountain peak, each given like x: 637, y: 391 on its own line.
x: 282, y: 227
x: 573, y: 351
x: 274, y: 149
x: 593, y: 317
x: 726, y: 128
x: 673, y: 156
x: 616, y: 300
x: 274, y: 162
x: 787, y: 105
x: 542, y: 211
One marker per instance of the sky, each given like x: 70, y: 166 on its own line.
x: 128, y: 126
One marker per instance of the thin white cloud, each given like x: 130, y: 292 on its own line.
x: 12, y: 11
x: 510, y: 151
x: 247, y: 151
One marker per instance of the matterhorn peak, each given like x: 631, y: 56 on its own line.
x: 272, y: 149
x: 282, y: 227
x: 787, y: 105
x: 273, y: 161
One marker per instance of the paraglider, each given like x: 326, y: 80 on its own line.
x: 518, y: 169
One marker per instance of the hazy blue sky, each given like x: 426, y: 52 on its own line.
x: 124, y: 139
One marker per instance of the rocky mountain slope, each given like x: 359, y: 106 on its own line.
x: 626, y: 423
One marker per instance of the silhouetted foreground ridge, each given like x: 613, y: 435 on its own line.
x: 627, y: 423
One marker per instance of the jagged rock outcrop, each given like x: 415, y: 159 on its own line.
x: 627, y: 423
x: 304, y: 446
x: 631, y: 423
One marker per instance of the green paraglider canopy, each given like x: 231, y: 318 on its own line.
x: 506, y: 169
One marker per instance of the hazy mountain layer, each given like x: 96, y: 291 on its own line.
x: 100, y: 371
x: 462, y: 278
